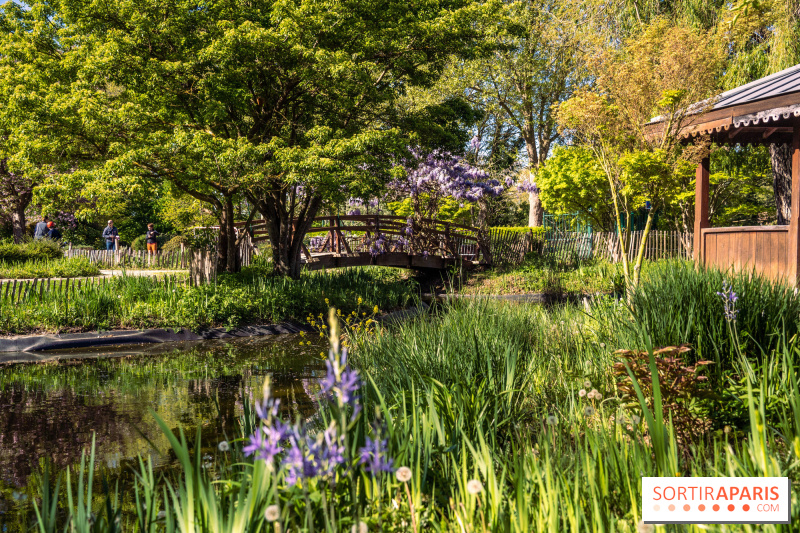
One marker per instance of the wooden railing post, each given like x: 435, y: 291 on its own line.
x: 700, y: 206
x: 794, y: 222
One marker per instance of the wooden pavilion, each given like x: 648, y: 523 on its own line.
x: 764, y: 112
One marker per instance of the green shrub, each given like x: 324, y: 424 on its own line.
x: 536, y: 231
x: 175, y: 243
x: 139, y: 243
x: 41, y: 249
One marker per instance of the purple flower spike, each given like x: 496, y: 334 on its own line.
x: 341, y: 381
x: 373, y: 457
x: 265, y: 443
x: 729, y: 299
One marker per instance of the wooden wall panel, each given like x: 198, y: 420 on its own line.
x: 763, y: 249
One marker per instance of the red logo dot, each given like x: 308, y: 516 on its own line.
x: 687, y: 507
x: 731, y: 507
x: 671, y: 507
x: 716, y: 507
x: 746, y: 507
x: 701, y: 507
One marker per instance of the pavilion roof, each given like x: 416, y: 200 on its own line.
x: 760, y: 112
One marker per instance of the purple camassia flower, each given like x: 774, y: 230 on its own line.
x: 729, y: 299
x: 374, y: 203
x: 374, y: 457
x: 310, y: 457
x: 355, y: 212
x: 355, y: 201
x: 265, y: 442
x: 341, y: 381
x: 267, y: 408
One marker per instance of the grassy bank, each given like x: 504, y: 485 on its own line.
x: 546, y: 275
x: 234, y: 300
x: 486, y: 416
x: 48, y: 268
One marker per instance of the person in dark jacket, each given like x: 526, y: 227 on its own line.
x: 41, y: 229
x: 53, y: 232
x: 111, y: 235
x: 152, y: 242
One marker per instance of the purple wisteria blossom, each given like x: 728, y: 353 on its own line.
x: 729, y: 299
x: 528, y: 185
x: 440, y: 174
x: 373, y: 457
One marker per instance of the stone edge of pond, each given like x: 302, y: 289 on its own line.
x: 31, y: 344
x: 37, y: 343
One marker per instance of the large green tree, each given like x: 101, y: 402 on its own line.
x: 289, y: 104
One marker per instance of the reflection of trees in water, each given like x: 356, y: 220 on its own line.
x: 57, y: 424
x: 51, y: 412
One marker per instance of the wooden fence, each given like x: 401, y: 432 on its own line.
x: 129, y: 258
x: 13, y: 292
x: 511, y: 247
x: 508, y: 246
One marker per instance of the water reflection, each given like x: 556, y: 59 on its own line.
x: 53, y: 410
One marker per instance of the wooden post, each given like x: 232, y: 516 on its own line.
x: 794, y: 222
x: 700, y: 207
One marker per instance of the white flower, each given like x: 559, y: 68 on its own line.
x: 552, y: 420
x: 362, y: 528
x: 597, y: 395
x: 395, y: 504
x: 602, y: 345
x: 223, y: 446
x: 272, y: 513
x: 593, y: 394
x: 641, y: 527
x: 161, y: 515
x: 474, y: 486
x: 635, y: 419
x: 588, y: 410
x: 582, y: 393
x: 403, y: 474
x: 587, y: 384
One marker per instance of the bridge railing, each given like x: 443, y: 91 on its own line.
x: 379, y: 234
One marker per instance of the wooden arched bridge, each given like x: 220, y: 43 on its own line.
x: 360, y: 240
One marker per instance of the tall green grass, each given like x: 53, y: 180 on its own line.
x: 48, y: 268
x: 234, y: 300
x: 481, y: 401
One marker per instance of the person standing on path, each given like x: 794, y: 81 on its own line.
x: 111, y: 235
x: 152, y: 242
x: 40, y: 232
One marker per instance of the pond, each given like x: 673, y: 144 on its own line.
x: 52, y: 411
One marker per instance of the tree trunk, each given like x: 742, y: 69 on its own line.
x: 781, y: 157
x: 287, y: 231
x: 18, y: 222
x: 227, y: 254
x: 535, y: 211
